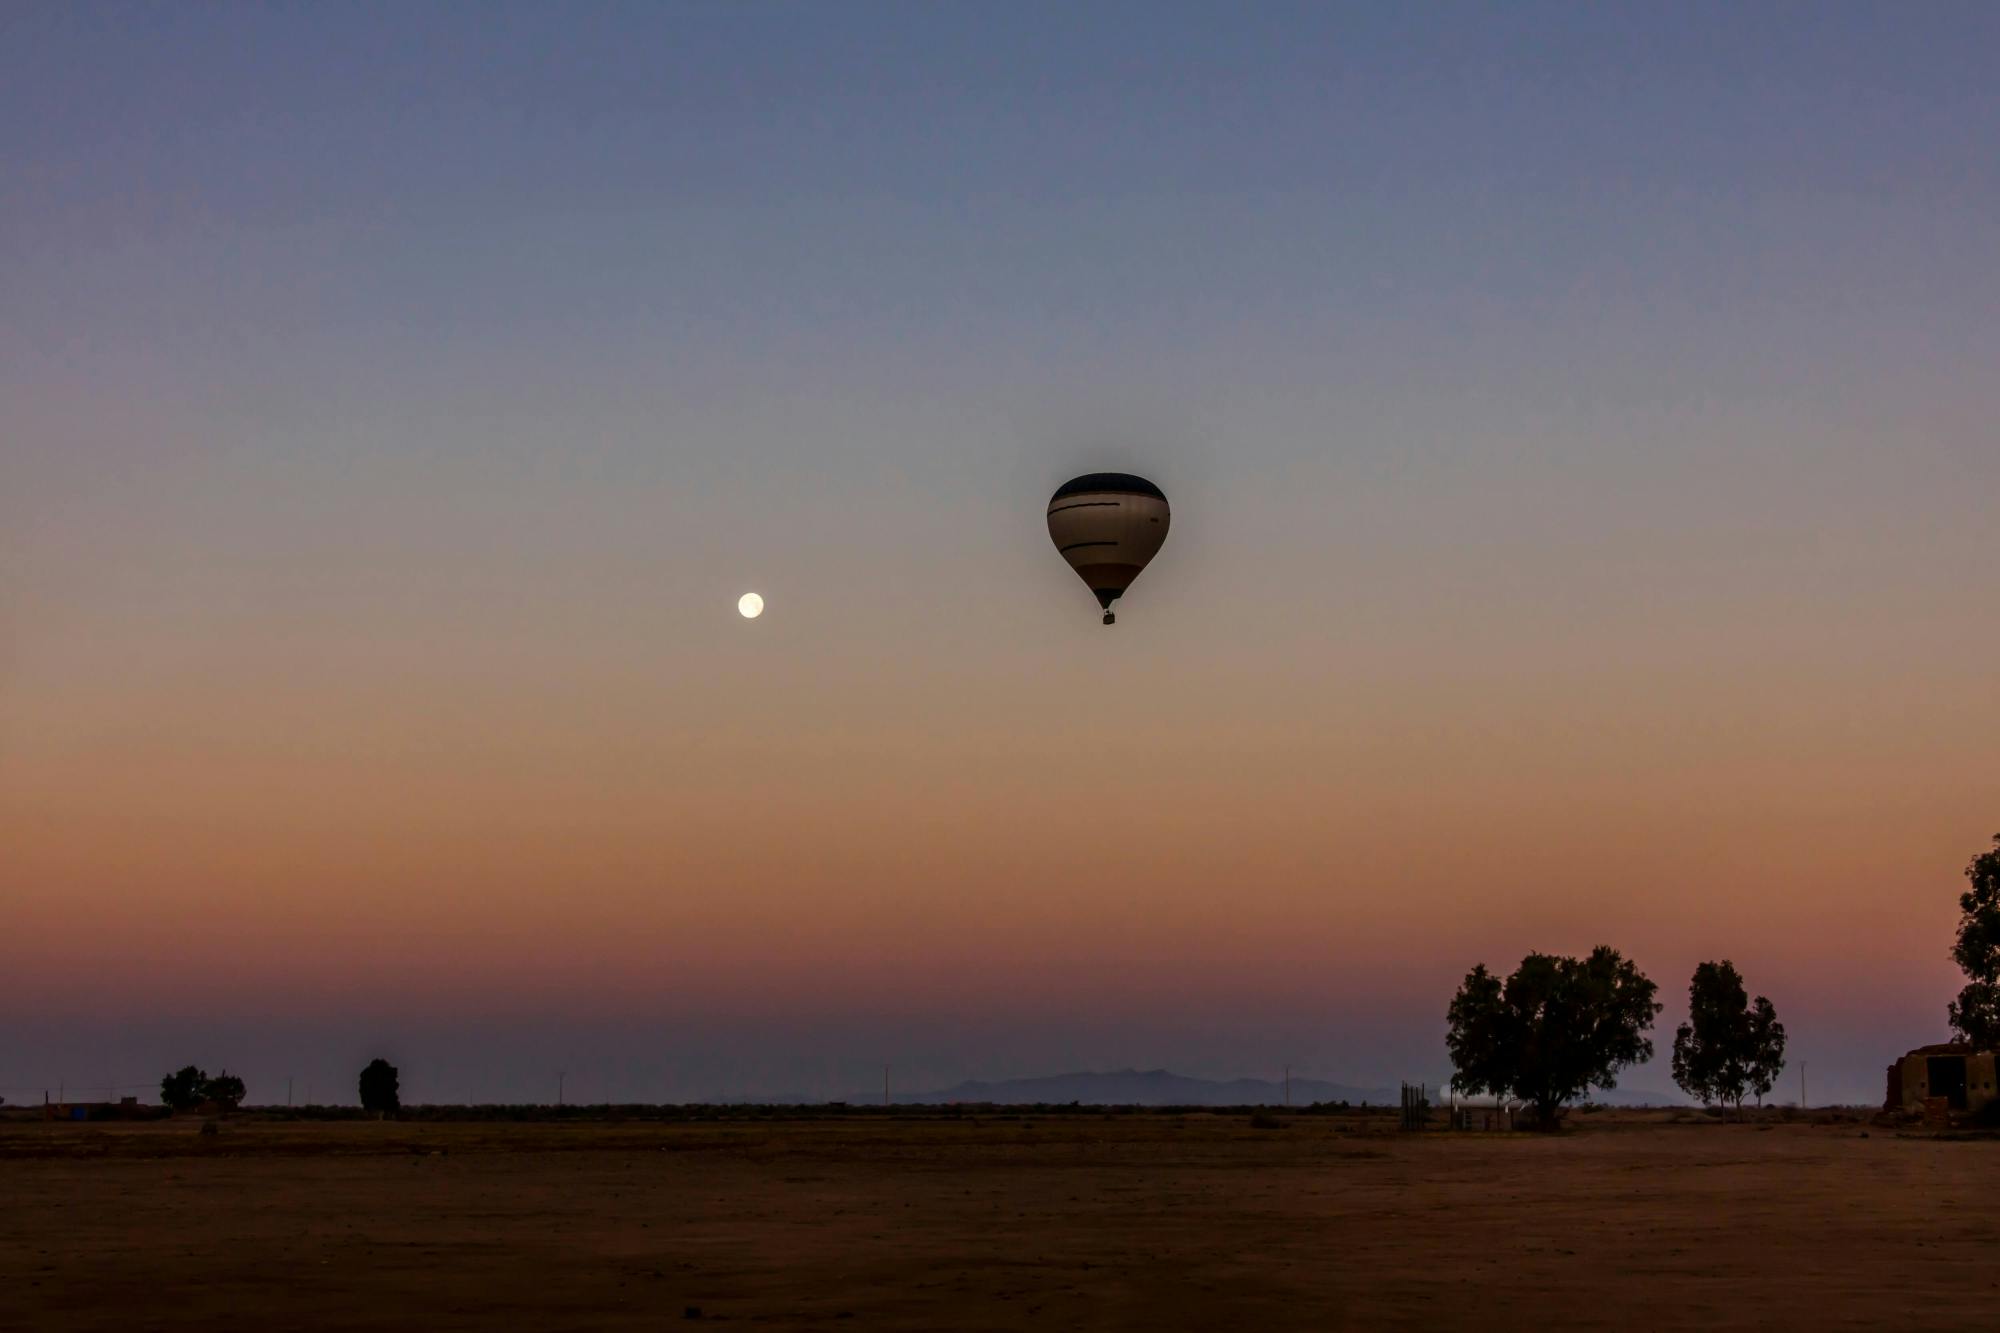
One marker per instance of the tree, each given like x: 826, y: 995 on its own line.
x: 191, y: 1087
x: 225, y: 1090
x: 378, y: 1088
x: 1481, y: 1052
x: 1767, y: 1049
x: 1975, y: 1014
x: 1728, y: 1046
x: 182, y: 1091
x: 1555, y: 1029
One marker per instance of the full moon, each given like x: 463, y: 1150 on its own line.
x: 751, y: 605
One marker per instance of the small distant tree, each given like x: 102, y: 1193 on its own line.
x: 225, y: 1090
x: 182, y: 1090
x: 1975, y: 1014
x: 189, y: 1087
x: 379, y: 1091
x: 1553, y: 1030
x: 1729, y: 1046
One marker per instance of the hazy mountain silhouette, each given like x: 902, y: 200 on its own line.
x: 1149, y: 1087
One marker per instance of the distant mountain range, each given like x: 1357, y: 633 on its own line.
x: 1160, y: 1087
x: 1148, y: 1087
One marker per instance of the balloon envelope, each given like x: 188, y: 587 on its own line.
x: 1108, y: 525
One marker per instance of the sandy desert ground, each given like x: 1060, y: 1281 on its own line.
x: 1198, y: 1221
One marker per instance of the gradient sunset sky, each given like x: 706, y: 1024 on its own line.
x: 1579, y: 421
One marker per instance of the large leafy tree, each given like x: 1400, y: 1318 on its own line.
x: 1729, y: 1046
x: 1975, y: 1014
x: 379, y: 1090
x: 1553, y: 1030
x: 183, y: 1089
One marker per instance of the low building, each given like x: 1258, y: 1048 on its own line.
x: 125, y: 1108
x: 1478, y: 1110
x: 1963, y: 1078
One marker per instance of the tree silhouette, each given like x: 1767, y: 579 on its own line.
x: 182, y: 1090
x: 379, y: 1090
x: 190, y: 1087
x: 1555, y: 1029
x: 1975, y: 1014
x: 1767, y: 1049
x: 1728, y: 1046
x: 225, y: 1090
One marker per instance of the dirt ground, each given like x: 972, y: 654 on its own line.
x: 1053, y: 1223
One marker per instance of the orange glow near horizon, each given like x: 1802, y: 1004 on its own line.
x: 789, y: 823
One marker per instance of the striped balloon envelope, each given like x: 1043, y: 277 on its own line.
x: 1108, y: 525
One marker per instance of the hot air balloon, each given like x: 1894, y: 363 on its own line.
x: 1108, y: 525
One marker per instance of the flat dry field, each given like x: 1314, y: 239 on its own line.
x: 1058, y: 1222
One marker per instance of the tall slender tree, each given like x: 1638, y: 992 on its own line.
x: 1767, y: 1049
x: 1729, y: 1046
x: 1975, y: 1014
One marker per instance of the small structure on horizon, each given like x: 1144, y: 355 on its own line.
x: 1963, y: 1078
x: 1467, y: 1111
x: 125, y: 1108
